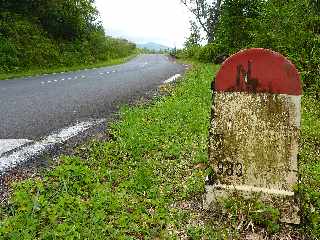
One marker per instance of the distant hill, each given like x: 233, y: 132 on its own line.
x: 153, y: 46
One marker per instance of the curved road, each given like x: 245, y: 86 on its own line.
x: 35, y: 107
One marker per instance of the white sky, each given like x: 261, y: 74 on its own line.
x: 162, y: 21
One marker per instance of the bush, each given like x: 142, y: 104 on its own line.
x: 289, y: 27
x: 25, y: 44
x: 211, y: 53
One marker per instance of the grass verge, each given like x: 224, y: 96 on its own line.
x: 40, y: 71
x: 146, y: 181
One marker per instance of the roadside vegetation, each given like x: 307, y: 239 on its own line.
x: 45, y: 36
x: 290, y: 27
x: 146, y: 180
x: 293, y: 29
x: 40, y: 71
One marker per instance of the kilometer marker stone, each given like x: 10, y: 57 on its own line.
x: 255, y: 126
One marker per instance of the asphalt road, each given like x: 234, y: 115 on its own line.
x: 33, y: 107
x: 39, y: 115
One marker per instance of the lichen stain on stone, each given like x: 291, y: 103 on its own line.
x: 259, y: 132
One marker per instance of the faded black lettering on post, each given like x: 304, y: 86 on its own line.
x: 230, y: 169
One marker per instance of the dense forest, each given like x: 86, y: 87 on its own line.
x: 290, y: 27
x: 53, y: 33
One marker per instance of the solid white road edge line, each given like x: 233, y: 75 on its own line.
x: 37, y: 148
x: 172, y: 79
x: 7, y: 145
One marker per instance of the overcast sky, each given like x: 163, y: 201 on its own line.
x: 161, y: 21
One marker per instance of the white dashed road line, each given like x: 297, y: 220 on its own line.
x: 77, y: 77
x: 34, y: 149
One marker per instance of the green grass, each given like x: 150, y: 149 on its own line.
x: 40, y: 71
x: 310, y: 166
x: 146, y: 181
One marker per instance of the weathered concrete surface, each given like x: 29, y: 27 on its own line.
x: 254, y: 135
x: 253, y: 147
x: 254, y: 141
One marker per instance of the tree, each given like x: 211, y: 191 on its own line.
x: 236, y: 22
x: 69, y: 19
x: 207, y: 13
x: 195, y: 37
x: 62, y: 19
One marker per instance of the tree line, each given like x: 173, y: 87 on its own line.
x: 290, y: 27
x: 47, y: 33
